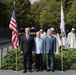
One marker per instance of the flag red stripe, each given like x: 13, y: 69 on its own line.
x: 12, y: 28
x: 13, y: 24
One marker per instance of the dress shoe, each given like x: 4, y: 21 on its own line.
x: 52, y: 70
x: 24, y: 71
x: 41, y: 70
x: 30, y: 71
x: 48, y: 70
x: 37, y: 70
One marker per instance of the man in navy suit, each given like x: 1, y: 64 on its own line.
x: 26, y: 46
x: 39, y: 49
x: 50, y: 47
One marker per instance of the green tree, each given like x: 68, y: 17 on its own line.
x: 71, y: 16
x: 35, y: 11
x: 41, y: 14
x: 3, y: 15
x: 22, y: 11
x: 50, y: 15
x: 66, y: 4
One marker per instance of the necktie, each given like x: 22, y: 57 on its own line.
x: 39, y: 42
x: 27, y: 37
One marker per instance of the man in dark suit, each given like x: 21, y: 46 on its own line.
x: 50, y: 47
x: 26, y: 46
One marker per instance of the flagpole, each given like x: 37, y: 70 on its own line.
x: 62, y: 61
x: 62, y: 50
x: 16, y: 49
x: 62, y: 47
x: 16, y: 61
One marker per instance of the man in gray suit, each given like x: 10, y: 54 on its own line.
x: 50, y: 47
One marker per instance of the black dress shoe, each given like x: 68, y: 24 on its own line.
x: 24, y: 71
x: 52, y: 70
x: 37, y: 70
x: 41, y: 70
x: 48, y: 70
x: 30, y: 71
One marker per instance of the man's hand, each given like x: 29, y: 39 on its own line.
x: 33, y: 52
x: 21, y: 52
x: 44, y: 52
x: 54, y: 52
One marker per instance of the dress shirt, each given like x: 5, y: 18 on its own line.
x: 27, y: 36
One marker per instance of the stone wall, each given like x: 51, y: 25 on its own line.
x: 5, y: 33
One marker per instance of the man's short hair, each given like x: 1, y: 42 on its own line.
x: 38, y: 32
x: 49, y: 29
x: 27, y: 28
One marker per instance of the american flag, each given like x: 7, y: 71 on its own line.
x: 13, y: 27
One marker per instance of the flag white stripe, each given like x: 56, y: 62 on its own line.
x: 13, y: 28
x: 13, y: 24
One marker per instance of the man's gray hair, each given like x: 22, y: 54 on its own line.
x: 49, y: 29
x: 27, y: 28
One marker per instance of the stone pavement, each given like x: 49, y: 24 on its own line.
x: 10, y: 72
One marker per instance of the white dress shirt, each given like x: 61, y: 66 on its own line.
x: 27, y: 36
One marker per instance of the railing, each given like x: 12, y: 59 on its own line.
x: 3, y: 52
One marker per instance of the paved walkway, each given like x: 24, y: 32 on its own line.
x: 10, y: 72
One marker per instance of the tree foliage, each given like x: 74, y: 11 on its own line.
x: 3, y: 15
x: 71, y: 16
x: 46, y: 17
x: 22, y: 11
x: 41, y: 14
x: 50, y: 15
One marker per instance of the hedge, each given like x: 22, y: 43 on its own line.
x: 9, y: 60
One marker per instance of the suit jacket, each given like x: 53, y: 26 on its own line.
x: 50, y: 44
x: 25, y: 45
x: 39, y: 45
